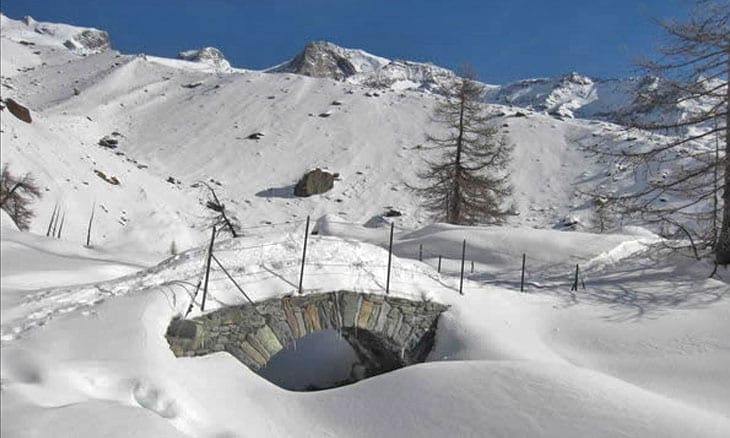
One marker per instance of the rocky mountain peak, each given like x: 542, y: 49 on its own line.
x: 78, y: 39
x: 322, y: 59
x: 206, y: 55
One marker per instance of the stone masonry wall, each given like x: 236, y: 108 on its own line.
x: 254, y: 333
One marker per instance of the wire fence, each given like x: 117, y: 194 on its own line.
x: 221, y: 266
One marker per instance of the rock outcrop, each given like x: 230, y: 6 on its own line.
x: 314, y: 182
x: 18, y: 110
x: 207, y: 55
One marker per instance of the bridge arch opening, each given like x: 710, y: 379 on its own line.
x: 315, y: 342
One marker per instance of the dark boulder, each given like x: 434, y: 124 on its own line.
x: 314, y: 182
x: 18, y: 110
x: 109, y: 142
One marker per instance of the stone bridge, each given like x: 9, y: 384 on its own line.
x: 385, y: 332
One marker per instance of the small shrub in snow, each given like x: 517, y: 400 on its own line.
x: 16, y: 196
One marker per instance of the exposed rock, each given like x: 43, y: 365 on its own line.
x: 79, y: 39
x: 314, y: 182
x: 90, y: 39
x: 393, y: 213
x: 109, y: 142
x: 255, y: 136
x: 18, y: 110
x: 207, y: 55
x: 110, y: 179
x: 320, y: 59
x: 192, y: 84
x: 568, y: 223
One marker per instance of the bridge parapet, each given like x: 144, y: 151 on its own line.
x: 386, y: 332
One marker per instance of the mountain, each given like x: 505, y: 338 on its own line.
x: 207, y: 55
x: 124, y: 147
x: 323, y: 59
x: 576, y: 96
x: 82, y: 40
x: 251, y: 135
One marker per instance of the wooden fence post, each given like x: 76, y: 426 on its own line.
x: 439, y: 268
x: 207, y: 270
x: 575, y: 281
x: 304, y: 255
x: 461, y: 279
x: 522, y: 278
x: 390, y: 257
x: 420, y: 252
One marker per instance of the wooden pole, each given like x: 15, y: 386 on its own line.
x: 207, y: 270
x: 439, y: 268
x: 522, y: 278
x: 390, y: 257
x: 88, y: 230
x: 230, y: 277
x: 420, y: 252
x: 472, y: 266
x: 575, y: 281
x: 304, y: 255
x: 461, y: 279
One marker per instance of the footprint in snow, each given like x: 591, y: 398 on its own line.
x: 152, y: 398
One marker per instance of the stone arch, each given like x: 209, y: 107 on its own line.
x: 385, y: 332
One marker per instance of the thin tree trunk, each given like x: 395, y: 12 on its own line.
x: 60, y: 227
x: 88, y: 230
x: 455, y: 213
x: 53, y: 219
x: 10, y: 193
x: 722, y: 256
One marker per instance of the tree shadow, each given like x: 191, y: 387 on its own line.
x: 646, y: 284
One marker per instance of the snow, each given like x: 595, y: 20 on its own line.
x: 505, y: 362
x: 642, y: 350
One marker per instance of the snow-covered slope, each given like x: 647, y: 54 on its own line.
x: 648, y: 361
x: 178, y: 123
x: 82, y: 40
x: 641, y: 350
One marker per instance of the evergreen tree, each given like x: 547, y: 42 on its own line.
x: 469, y: 182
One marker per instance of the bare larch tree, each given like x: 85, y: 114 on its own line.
x: 469, y: 182
x: 16, y: 196
x: 687, y: 167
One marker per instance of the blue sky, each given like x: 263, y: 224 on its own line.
x: 504, y: 40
